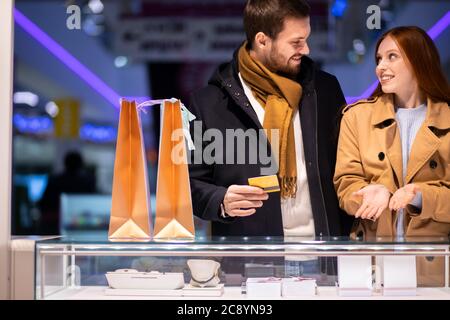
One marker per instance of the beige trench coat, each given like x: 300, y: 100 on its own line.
x: 369, y: 152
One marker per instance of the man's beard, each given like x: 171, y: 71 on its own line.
x: 275, y: 64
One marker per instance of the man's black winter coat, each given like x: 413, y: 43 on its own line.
x: 222, y: 105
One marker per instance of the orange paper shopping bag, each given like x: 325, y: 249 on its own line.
x: 130, y: 211
x: 174, y: 217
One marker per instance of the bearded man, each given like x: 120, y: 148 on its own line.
x: 270, y: 84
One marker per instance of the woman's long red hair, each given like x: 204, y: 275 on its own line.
x: 423, y: 57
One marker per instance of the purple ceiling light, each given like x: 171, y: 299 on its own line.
x: 65, y: 57
x: 439, y: 26
x: 113, y: 97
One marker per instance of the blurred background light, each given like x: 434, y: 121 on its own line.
x: 359, y: 47
x: 93, y: 25
x: 338, y: 8
x: 33, y: 124
x: 52, y: 109
x: 26, y: 97
x: 98, y: 133
x: 120, y: 61
x: 96, y: 6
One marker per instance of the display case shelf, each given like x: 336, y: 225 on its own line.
x: 74, y: 268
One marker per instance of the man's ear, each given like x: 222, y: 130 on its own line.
x: 261, y: 40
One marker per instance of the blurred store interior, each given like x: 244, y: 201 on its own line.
x: 68, y: 82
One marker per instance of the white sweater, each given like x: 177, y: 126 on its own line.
x: 409, y: 122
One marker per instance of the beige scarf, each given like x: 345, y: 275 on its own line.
x: 280, y: 97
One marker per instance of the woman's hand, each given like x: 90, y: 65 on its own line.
x: 242, y: 200
x: 403, y: 196
x: 375, y: 200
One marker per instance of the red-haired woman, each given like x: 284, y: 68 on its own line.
x: 393, y: 160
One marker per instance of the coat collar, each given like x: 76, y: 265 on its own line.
x: 228, y: 72
x: 425, y: 144
x: 438, y: 113
x: 427, y: 139
x: 383, y: 109
x: 226, y: 77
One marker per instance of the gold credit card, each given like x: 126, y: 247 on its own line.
x: 267, y: 183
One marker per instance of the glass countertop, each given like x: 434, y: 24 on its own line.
x: 258, y: 241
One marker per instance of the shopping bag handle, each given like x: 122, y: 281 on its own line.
x: 149, y: 103
x: 186, y: 116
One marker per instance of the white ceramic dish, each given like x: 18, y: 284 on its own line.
x: 154, y: 280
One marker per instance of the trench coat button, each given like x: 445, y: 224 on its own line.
x: 237, y: 94
x: 381, y: 156
x: 247, y: 104
x: 433, y: 164
x: 229, y: 85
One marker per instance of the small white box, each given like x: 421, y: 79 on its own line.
x: 263, y: 287
x: 298, y: 286
x: 399, y: 276
x: 355, y: 275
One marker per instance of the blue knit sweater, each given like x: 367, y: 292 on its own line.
x: 409, y: 121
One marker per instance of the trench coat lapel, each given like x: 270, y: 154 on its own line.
x: 388, y: 134
x: 426, y: 142
x: 394, y: 150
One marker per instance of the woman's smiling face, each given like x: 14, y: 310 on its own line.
x: 393, y: 71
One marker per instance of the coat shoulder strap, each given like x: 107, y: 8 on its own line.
x: 359, y: 103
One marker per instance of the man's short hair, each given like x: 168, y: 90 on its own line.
x: 268, y: 16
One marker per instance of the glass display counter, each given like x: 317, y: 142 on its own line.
x: 243, y: 268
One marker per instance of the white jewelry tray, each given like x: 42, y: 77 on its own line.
x: 153, y: 280
x: 187, y: 291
